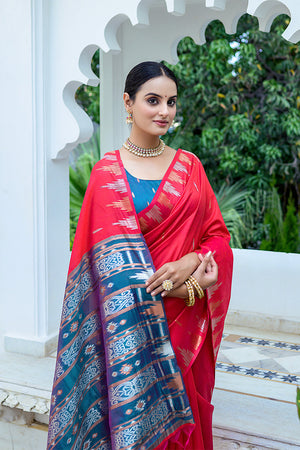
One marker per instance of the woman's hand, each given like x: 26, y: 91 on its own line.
x: 207, y: 272
x: 177, y: 271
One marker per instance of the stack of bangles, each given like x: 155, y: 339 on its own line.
x: 191, y: 284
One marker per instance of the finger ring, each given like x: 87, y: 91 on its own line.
x: 167, y: 285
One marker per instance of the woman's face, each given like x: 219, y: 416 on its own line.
x: 154, y: 107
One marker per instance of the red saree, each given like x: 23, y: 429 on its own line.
x: 117, y: 383
x: 184, y: 217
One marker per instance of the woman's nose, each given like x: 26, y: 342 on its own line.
x: 164, y: 109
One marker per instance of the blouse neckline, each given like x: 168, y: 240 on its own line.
x: 162, y: 181
x: 158, y: 180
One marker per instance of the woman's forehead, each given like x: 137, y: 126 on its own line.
x: 162, y: 86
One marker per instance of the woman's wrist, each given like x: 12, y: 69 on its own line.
x: 192, y: 259
x: 198, y: 290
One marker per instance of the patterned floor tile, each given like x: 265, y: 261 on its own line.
x: 259, y: 373
x: 261, y: 358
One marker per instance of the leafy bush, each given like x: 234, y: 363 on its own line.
x: 79, y: 176
x: 239, y: 106
x: 231, y: 200
x: 282, y: 235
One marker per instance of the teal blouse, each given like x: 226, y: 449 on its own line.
x: 143, y: 191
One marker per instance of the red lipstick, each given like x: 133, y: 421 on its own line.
x: 161, y: 123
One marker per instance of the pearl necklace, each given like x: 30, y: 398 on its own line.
x: 145, y: 152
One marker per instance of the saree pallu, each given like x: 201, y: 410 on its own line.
x: 117, y: 382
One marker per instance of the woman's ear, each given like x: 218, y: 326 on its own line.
x: 127, y: 102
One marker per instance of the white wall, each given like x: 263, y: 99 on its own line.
x: 33, y: 188
x: 16, y: 220
x: 266, y: 284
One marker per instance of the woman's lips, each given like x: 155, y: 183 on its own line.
x: 161, y: 123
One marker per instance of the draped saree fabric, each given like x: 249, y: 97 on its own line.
x: 123, y: 354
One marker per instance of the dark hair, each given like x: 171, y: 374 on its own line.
x: 143, y: 72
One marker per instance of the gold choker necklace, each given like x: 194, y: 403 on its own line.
x: 145, y: 152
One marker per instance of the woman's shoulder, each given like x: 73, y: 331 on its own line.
x: 191, y: 161
x: 190, y: 156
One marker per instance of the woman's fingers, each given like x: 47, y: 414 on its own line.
x: 201, y: 257
x: 157, y: 286
x: 213, y: 275
x: 213, y: 262
x: 154, y: 277
x: 176, y: 271
x: 208, y: 265
x: 207, y: 272
x: 205, y: 264
x: 154, y: 283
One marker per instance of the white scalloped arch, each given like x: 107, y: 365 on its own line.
x: 181, y: 18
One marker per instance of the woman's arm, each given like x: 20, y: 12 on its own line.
x: 206, y: 273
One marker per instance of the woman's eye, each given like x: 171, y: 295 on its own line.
x: 172, y: 102
x: 152, y: 101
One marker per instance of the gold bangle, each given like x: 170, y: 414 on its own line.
x: 197, y: 286
x: 191, y: 300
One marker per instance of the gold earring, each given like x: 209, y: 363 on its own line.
x: 129, y: 118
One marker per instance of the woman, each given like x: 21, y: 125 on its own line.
x: 139, y: 338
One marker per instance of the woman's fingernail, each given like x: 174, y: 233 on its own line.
x: 208, y: 254
x: 148, y: 290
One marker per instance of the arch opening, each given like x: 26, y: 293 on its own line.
x: 237, y: 120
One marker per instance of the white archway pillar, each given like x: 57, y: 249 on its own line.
x: 34, y: 237
x: 111, y: 108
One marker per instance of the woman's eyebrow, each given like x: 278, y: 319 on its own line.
x: 157, y: 95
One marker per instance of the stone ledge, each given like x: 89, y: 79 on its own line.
x: 25, y: 388
x: 16, y: 416
x: 275, y: 324
x: 229, y: 439
x: 33, y: 347
x: 25, y: 402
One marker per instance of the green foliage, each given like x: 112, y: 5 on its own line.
x: 79, y: 178
x: 255, y: 209
x: 231, y: 200
x: 290, y: 229
x: 273, y: 225
x: 239, y: 106
x: 282, y: 235
x: 88, y: 97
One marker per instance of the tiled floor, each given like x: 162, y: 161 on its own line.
x: 256, y: 378
x: 255, y: 393
x: 267, y: 359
